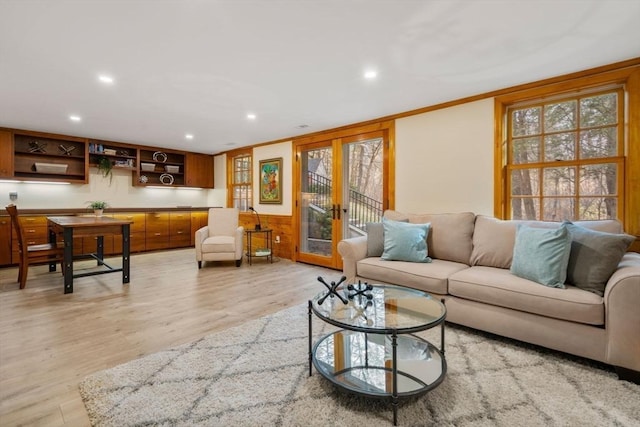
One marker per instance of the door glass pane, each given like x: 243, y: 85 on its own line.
x: 316, y: 215
x: 362, y: 191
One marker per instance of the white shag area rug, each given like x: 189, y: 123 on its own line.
x: 257, y: 374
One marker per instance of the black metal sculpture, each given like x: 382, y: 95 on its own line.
x: 332, y: 290
x: 66, y: 150
x: 360, y: 289
x: 37, y: 147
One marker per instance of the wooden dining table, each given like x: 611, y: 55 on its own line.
x: 82, y: 226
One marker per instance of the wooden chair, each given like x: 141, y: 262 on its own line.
x: 32, y: 254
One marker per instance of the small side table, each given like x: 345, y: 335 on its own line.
x: 261, y: 251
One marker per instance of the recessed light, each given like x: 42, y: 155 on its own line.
x: 302, y: 126
x: 106, y: 79
x: 370, y: 74
x: 75, y: 118
x: 188, y: 136
x: 251, y: 116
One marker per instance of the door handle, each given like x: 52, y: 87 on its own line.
x: 338, y: 210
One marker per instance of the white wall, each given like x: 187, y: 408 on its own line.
x: 118, y: 193
x: 444, y: 160
x: 272, y: 151
x: 444, y: 163
x: 218, y: 196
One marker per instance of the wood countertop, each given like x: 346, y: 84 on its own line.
x: 107, y: 211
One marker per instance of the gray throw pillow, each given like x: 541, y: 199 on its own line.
x: 375, y: 238
x: 595, y: 256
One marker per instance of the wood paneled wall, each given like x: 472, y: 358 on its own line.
x: 281, y: 226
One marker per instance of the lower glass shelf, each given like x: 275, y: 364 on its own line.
x: 363, y: 363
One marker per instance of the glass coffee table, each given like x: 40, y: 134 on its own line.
x: 375, y: 353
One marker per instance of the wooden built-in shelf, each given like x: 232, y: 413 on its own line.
x: 42, y: 157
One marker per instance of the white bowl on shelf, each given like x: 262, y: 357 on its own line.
x: 171, y: 169
x: 51, y: 168
x: 148, y: 167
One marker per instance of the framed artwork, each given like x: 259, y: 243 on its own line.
x: 271, y: 181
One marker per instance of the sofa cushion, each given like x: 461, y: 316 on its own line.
x: 451, y: 234
x: 493, y: 239
x: 595, y: 256
x: 542, y: 255
x: 405, y: 242
x: 499, y: 287
x: 428, y: 277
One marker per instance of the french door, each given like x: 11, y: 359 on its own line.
x: 341, y: 185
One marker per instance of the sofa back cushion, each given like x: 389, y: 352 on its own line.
x: 450, y: 237
x: 494, y: 239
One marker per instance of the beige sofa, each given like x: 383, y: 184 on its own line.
x: 471, y: 256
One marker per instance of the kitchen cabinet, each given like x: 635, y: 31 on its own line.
x: 199, y: 170
x: 6, y: 154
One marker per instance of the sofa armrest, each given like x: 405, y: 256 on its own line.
x: 201, y: 234
x: 239, y: 243
x: 622, y: 309
x: 352, y: 250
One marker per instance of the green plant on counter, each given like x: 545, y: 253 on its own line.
x: 98, y: 204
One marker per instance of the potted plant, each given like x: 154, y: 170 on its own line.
x: 98, y: 207
x: 105, y: 167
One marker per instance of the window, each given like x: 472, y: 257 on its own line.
x: 565, y: 158
x: 240, y: 193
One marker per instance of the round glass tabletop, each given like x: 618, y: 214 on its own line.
x: 382, y: 309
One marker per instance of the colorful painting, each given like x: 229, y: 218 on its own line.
x: 271, y: 181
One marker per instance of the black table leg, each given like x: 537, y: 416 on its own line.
x: 125, y: 253
x: 310, y: 340
x: 100, y: 250
x: 52, y: 241
x: 394, y: 374
x: 68, y: 260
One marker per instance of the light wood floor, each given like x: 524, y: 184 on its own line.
x: 50, y: 341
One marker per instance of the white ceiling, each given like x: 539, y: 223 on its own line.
x: 197, y: 66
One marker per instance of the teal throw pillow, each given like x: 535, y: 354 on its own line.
x: 595, y: 256
x: 542, y: 255
x: 375, y: 238
x: 405, y: 241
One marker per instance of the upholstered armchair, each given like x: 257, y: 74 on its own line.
x: 221, y: 239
